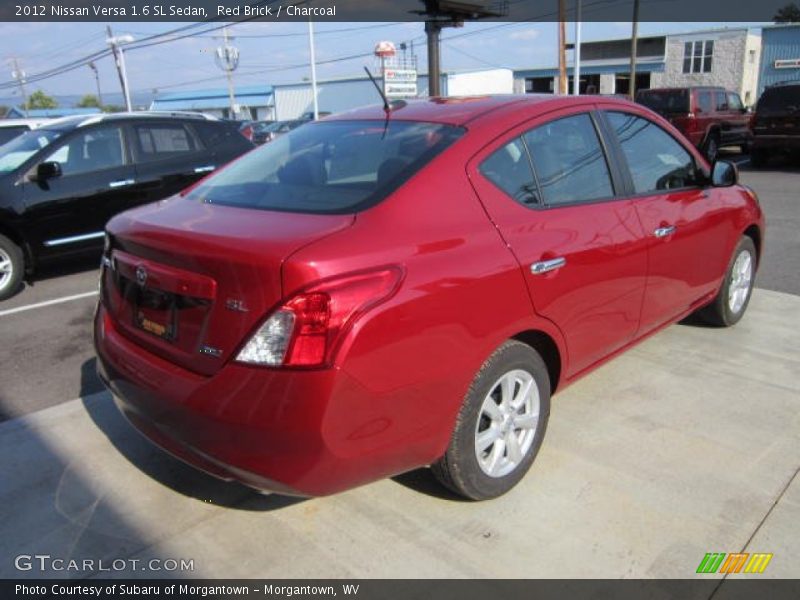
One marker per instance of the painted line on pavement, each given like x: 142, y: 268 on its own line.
x: 27, y: 307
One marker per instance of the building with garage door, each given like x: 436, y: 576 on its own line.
x: 720, y: 57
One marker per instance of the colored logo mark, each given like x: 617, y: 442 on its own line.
x: 738, y: 562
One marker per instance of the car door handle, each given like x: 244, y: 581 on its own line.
x: 121, y: 183
x: 664, y: 231
x: 206, y: 169
x: 545, y: 266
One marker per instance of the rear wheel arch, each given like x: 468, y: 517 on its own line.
x: 547, y: 348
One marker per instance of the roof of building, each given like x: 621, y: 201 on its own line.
x: 49, y: 113
x: 249, y: 95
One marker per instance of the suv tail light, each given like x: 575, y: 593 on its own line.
x: 305, y: 331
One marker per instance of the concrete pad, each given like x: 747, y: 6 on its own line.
x: 679, y: 447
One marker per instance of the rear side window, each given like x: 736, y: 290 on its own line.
x: 704, y: 103
x: 159, y: 141
x: 569, y: 161
x: 657, y: 162
x: 509, y: 168
x: 328, y: 167
x: 665, y: 102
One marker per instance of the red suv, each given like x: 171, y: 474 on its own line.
x: 385, y: 290
x: 710, y: 117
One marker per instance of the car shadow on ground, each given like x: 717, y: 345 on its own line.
x: 163, y: 467
x: 423, y: 482
x: 776, y: 164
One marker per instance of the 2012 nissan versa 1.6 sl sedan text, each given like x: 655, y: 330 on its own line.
x: 388, y: 289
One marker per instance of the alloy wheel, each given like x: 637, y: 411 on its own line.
x: 741, y: 280
x: 507, y: 423
x: 6, y: 269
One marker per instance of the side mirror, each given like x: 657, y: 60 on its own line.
x: 724, y: 174
x: 48, y: 170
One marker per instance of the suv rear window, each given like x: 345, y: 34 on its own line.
x: 665, y: 102
x: 328, y: 167
x: 783, y: 98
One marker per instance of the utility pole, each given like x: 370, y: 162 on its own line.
x: 313, y: 68
x: 432, y: 30
x: 634, y: 43
x: 93, y: 67
x: 227, y: 57
x: 562, y: 50
x: 119, y: 60
x: 19, y: 75
x: 577, y: 70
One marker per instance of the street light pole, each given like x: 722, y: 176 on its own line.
x: 634, y: 43
x: 577, y: 75
x: 313, y: 68
x: 119, y: 59
x: 19, y: 75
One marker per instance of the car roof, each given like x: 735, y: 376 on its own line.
x: 32, y: 123
x: 84, y: 120
x: 459, y: 110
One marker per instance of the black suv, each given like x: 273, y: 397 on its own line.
x: 61, y: 183
x: 776, y: 122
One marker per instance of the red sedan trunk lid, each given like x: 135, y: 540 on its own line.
x: 190, y: 281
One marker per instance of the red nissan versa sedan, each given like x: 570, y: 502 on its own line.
x: 385, y: 290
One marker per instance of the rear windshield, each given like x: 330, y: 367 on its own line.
x: 783, y: 98
x: 328, y: 167
x: 665, y: 102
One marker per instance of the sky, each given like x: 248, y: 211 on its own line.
x: 272, y: 53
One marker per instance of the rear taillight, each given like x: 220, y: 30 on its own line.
x: 247, y: 132
x: 306, y: 330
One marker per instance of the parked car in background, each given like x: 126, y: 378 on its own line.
x: 274, y: 130
x: 11, y: 128
x: 384, y: 290
x: 776, y: 123
x: 61, y: 183
x: 709, y: 117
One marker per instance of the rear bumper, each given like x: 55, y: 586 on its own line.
x: 272, y: 429
x: 776, y: 143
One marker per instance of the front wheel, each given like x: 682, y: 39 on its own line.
x: 11, y: 267
x: 711, y: 147
x: 500, y: 426
x: 737, y: 287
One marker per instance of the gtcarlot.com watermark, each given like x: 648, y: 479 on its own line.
x: 44, y: 563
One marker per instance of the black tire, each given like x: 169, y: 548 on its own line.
x: 711, y: 147
x: 12, y: 267
x: 759, y: 158
x: 459, y: 469
x: 745, y: 147
x: 720, y: 312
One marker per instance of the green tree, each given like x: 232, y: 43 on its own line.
x: 788, y: 14
x: 89, y: 101
x: 113, y: 108
x: 39, y: 99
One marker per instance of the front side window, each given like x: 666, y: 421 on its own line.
x: 161, y: 141
x: 721, y: 101
x: 92, y: 150
x: 14, y: 153
x: 509, y: 168
x: 734, y: 102
x: 657, y: 162
x: 569, y: 161
x: 328, y: 167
